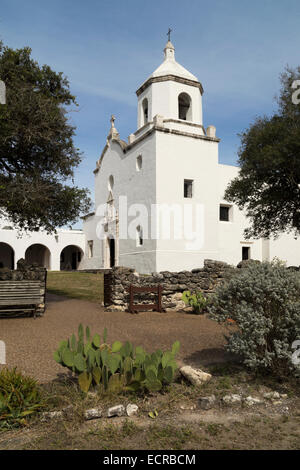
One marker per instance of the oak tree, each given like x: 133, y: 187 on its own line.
x: 37, y: 152
x: 268, y: 184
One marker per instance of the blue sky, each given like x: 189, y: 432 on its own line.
x: 236, y: 48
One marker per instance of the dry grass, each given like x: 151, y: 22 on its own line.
x: 77, y: 285
x: 180, y: 424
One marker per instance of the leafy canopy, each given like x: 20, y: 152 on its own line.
x: 37, y: 152
x: 268, y: 184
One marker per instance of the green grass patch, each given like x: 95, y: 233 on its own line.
x: 169, y: 437
x: 76, y: 285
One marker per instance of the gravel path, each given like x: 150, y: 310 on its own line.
x: 30, y: 343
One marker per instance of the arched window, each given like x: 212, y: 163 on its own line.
x: 139, y: 236
x: 184, y: 107
x: 111, y: 183
x: 145, y: 110
x: 139, y: 162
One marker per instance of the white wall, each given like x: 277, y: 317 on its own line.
x: 178, y: 158
x: 139, y: 187
x: 55, y: 243
x: 231, y: 234
x: 286, y: 248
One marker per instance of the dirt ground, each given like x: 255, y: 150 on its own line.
x: 30, y: 343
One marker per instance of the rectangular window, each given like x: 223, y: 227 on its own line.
x: 224, y: 213
x: 90, y: 248
x: 188, y: 188
x: 245, y: 252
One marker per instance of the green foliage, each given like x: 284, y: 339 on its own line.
x: 37, y: 152
x: 195, y: 300
x: 267, y: 186
x: 263, y: 299
x: 117, y: 367
x: 20, y: 397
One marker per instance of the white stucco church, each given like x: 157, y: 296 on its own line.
x: 158, y: 196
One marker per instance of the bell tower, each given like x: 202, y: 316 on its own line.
x: 171, y: 91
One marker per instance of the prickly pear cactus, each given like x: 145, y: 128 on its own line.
x: 117, y: 367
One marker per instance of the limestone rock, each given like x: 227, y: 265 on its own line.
x: 131, y: 409
x: 207, y: 402
x: 115, y: 308
x: 272, y: 395
x: 250, y: 401
x: 93, y: 413
x: 195, y: 376
x: 232, y: 399
x: 118, y: 410
x: 49, y: 415
x: 187, y: 407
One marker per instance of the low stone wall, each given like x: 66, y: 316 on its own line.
x: 32, y: 274
x: 118, y: 280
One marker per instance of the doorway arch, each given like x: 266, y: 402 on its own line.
x: 7, y: 256
x: 112, y: 251
x: 70, y: 258
x: 39, y: 254
x: 109, y: 252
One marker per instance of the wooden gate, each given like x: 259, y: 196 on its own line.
x: 134, y: 308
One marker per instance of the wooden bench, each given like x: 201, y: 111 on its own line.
x: 143, y: 307
x: 21, y: 297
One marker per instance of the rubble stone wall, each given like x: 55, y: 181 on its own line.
x: 118, y: 280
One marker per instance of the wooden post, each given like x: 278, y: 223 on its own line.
x: 159, y: 295
x: 131, y: 298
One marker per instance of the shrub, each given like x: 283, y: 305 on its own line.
x: 196, y: 300
x: 263, y: 300
x: 117, y: 367
x: 20, y: 397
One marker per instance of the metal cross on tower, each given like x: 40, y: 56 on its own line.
x: 169, y: 34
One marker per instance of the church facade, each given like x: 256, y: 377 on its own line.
x: 167, y: 169
x: 159, y: 196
